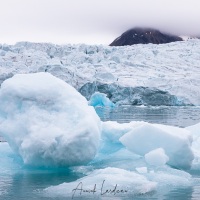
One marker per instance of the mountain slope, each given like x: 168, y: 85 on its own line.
x: 144, y: 36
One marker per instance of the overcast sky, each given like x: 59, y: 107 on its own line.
x: 93, y: 21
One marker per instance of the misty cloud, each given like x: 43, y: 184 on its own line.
x: 93, y: 21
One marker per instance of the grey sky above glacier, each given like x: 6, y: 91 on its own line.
x: 93, y: 21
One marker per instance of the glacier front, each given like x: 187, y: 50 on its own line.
x: 141, y: 73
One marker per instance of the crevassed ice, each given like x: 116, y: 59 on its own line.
x: 172, y: 67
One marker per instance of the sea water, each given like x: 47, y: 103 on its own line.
x: 22, y: 183
x: 181, y: 116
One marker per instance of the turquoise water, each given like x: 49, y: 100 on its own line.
x: 21, y: 183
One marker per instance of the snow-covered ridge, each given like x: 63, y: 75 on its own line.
x: 186, y: 37
x: 173, y: 67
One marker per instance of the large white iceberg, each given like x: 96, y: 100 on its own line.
x: 175, y: 141
x: 47, y: 122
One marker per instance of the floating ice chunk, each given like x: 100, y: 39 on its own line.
x: 112, y: 130
x: 156, y: 157
x: 47, y: 122
x: 175, y: 141
x: 195, y: 131
x: 117, y: 182
x: 100, y: 99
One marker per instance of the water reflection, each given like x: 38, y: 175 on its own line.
x: 25, y: 183
x: 169, y: 115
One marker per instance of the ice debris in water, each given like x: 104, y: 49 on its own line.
x: 195, y: 130
x: 156, y: 157
x: 175, y: 141
x: 47, y: 122
x: 100, y: 99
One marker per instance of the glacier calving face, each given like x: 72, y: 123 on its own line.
x: 47, y: 122
x: 173, y: 68
x: 131, y: 95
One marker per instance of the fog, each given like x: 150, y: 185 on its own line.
x: 93, y: 21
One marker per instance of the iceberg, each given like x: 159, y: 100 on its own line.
x: 156, y: 157
x: 111, y: 132
x: 195, y: 131
x: 100, y: 99
x: 47, y: 122
x: 175, y: 141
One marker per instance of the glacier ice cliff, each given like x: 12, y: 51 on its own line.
x: 131, y: 95
x: 173, y: 68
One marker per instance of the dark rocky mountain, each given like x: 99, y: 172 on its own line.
x: 144, y: 36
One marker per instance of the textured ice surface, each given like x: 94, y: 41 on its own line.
x: 105, y: 179
x: 142, y: 137
x: 100, y: 99
x: 131, y: 95
x: 195, y: 131
x: 156, y: 157
x: 167, y: 177
x: 173, y: 67
x: 141, y: 170
x: 111, y: 132
x: 175, y: 141
x: 47, y: 122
